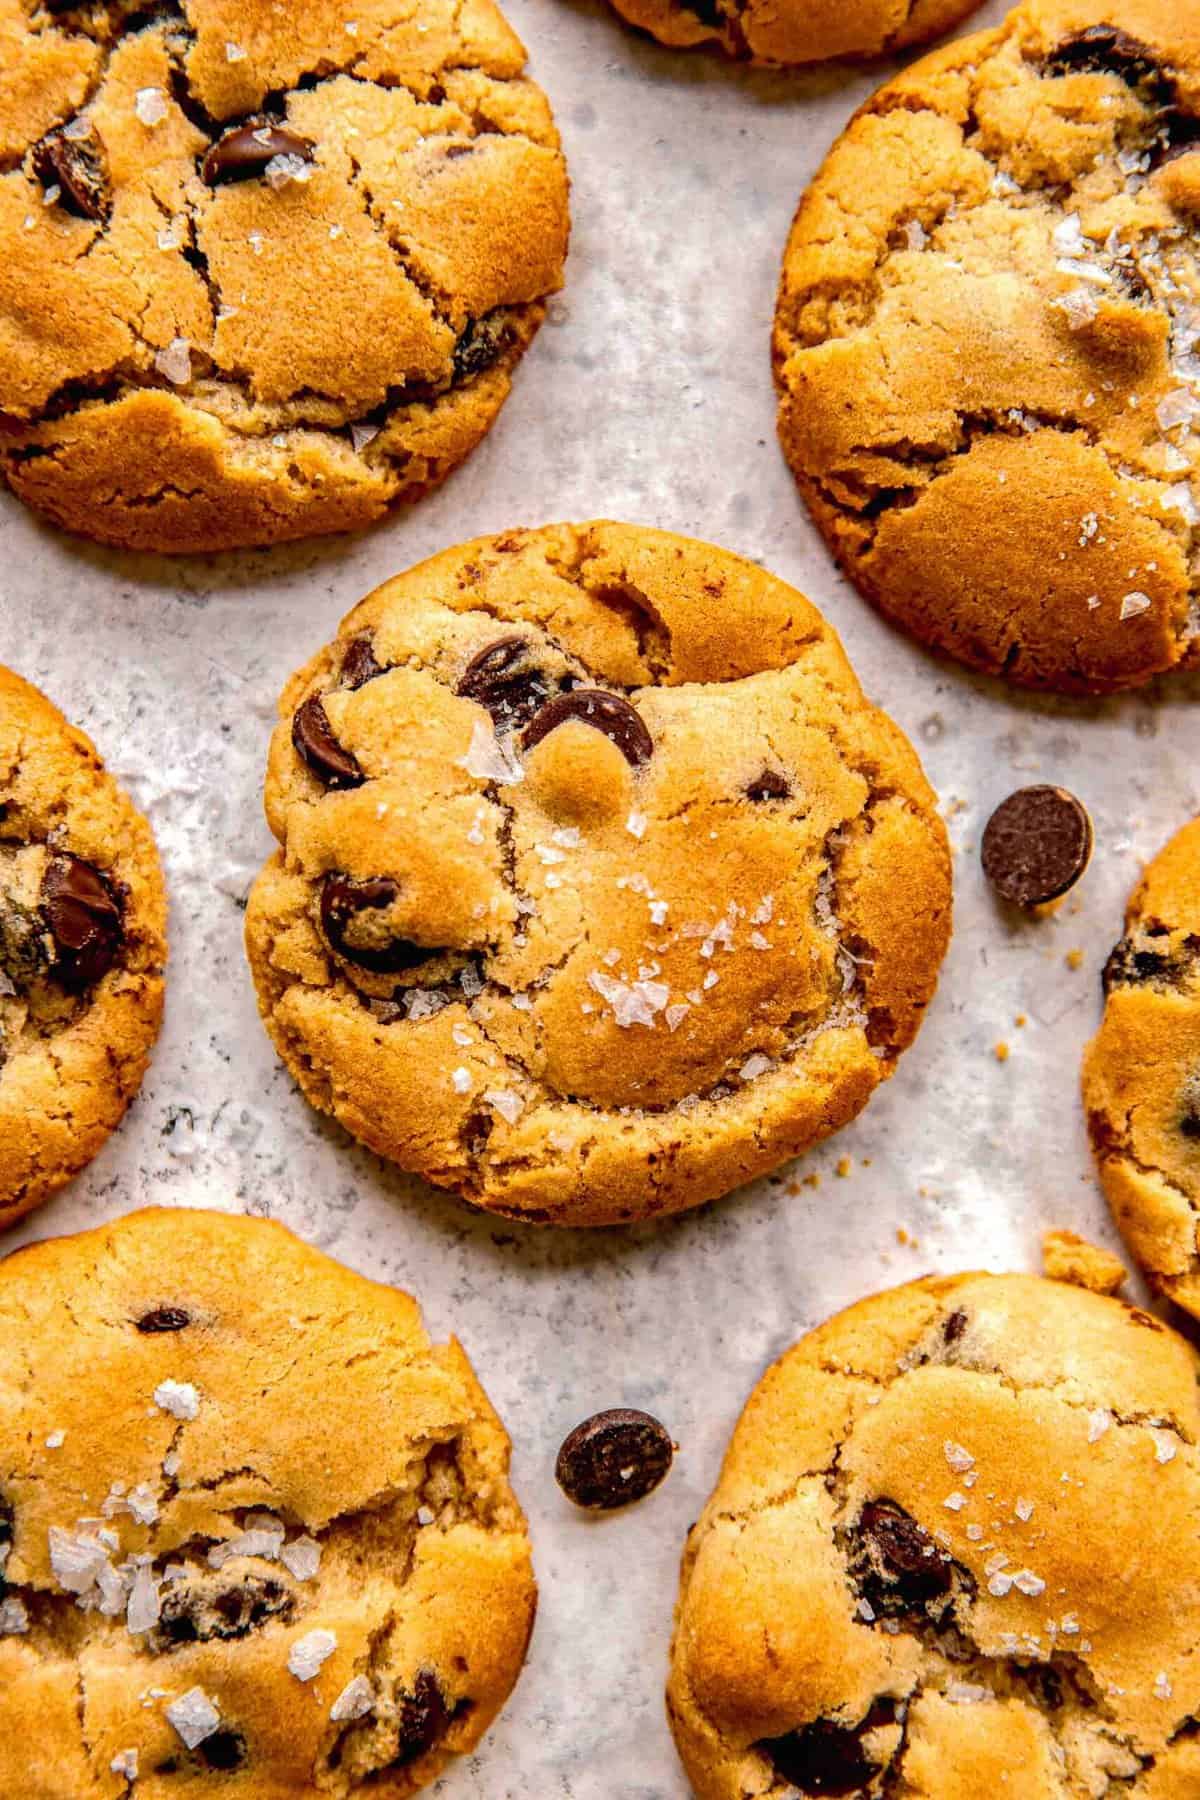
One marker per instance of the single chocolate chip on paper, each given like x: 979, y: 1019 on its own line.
x: 1036, y: 845
x: 614, y: 1458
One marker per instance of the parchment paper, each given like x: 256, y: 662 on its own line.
x: 649, y: 398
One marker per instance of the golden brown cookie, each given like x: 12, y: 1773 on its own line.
x: 952, y: 1555
x: 601, y: 887
x: 265, y: 269
x: 82, y: 949
x: 795, y: 31
x: 256, y: 1530
x: 986, y: 345
x: 1141, y: 1074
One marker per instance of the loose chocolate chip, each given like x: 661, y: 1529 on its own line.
x: 614, y: 1458
x: 359, y: 665
x: 164, y: 1318
x: 83, y: 919
x: 76, y: 167
x: 1107, y: 50
x: 225, y: 1749
x: 313, y: 737
x: 344, y: 901
x: 423, y: 1717
x: 898, y: 1566
x: 828, y: 1758
x: 481, y: 343
x: 244, y: 152
x: 1036, y: 845
x: 769, y: 785
x: 505, y: 680
x: 606, y: 712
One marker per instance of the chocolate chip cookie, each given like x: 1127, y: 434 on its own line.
x: 601, y: 888
x: 256, y: 1531
x: 265, y: 270
x: 952, y: 1555
x: 986, y: 346
x: 82, y: 948
x: 798, y: 31
x: 1141, y: 1074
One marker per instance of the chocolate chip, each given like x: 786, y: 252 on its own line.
x: 481, y: 343
x: 1107, y: 50
x: 196, y: 1616
x: 606, y: 712
x: 769, y: 785
x: 84, y: 920
x: 313, y: 737
x: 614, y: 1458
x: 164, y: 1318
x: 828, y: 1758
x: 423, y: 1717
x: 1178, y: 135
x: 953, y: 1326
x: 1131, y: 963
x: 359, y: 665
x: 225, y: 1749
x: 1036, y: 845
x: 344, y: 902
x: 1190, y: 1125
x: 707, y: 11
x: 76, y: 167
x: 897, y: 1565
x: 503, y: 678
x: 244, y: 152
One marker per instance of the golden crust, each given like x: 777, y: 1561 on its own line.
x: 704, y: 984
x: 346, y: 339
x: 319, y: 1400
x: 983, y: 346
x: 69, y: 1071
x: 797, y: 31
x: 1061, y: 1426
x: 1140, y: 1072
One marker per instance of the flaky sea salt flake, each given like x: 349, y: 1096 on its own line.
x: 510, y: 1106
x: 958, y: 1458
x: 14, y: 1620
x: 125, y: 1763
x: 175, y: 362
x: 488, y: 760
x: 308, y: 1654
x: 194, y: 1717
x: 179, y: 1398
x: 301, y: 1558
x: 355, y: 1700
x: 1135, y: 603
x: 1098, y: 1423
x: 150, y: 105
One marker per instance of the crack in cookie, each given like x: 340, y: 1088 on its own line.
x: 263, y: 287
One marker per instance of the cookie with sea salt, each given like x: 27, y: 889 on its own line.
x: 986, y: 346
x: 1141, y: 1073
x: 600, y: 886
x: 266, y: 270
x: 257, y: 1531
x: 952, y: 1555
x: 82, y: 949
x: 796, y: 31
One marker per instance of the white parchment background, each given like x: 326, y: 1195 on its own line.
x: 648, y: 397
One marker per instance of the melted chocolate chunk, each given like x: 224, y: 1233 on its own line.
x: 225, y: 1749
x: 164, y: 1318
x: 76, y: 167
x: 606, y: 712
x: 769, y: 785
x: 1107, y: 50
x: 614, y: 1458
x: 244, y: 152
x: 481, y: 343
x: 359, y: 665
x: 504, y: 678
x: 423, y: 1717
x: 84, y: 920
x: 897, y: 1565
x: 315, y: 743
x: 707, y: 11
x: 199, y: 1615
x: 344, y: 901
x: 953, y: 1326
x: 1036, y: 845
x: 828, y: 1758
x: 1132, y: 963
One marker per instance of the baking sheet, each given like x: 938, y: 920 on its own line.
x: 647, y: 397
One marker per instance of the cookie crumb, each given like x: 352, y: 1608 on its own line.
x: 1000, y: 1051
x: 1068, y: 1257
x: 1074, y: 959
x: 844, y: 1166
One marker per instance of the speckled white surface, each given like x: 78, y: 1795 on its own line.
x: 648, y: 398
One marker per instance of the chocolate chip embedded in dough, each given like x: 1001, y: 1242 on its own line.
x: 84, y: 920
x: 504, y: 678
x: 247, y: 151
x: 423, y: 1716
x: 346, y: 909
x: 605, y: 712
x: 76, y: 167
x: 312, y: 735
x: 359, y: 665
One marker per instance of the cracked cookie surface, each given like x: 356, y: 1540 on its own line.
x: 953, y: 1539
x: 796, y: 31
x: 986, y: 346
x: 1141, y: 1073
x: 601, y: 887
x: 258, y: 1534
x: 82, y: 949
x: 267, y: 270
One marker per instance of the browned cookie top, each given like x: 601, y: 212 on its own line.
x: 986, y: 345
x: 265, y: 268
x: 82, y: 918
x: 601, y: 886
x: 795, y: 31
x: 1141, y: 1078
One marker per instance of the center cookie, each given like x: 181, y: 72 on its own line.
x: 986, y: 345
x: 264, y: 269
x: 952, y: 1555
x: 256, y: 1531
x: 601, y: 887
